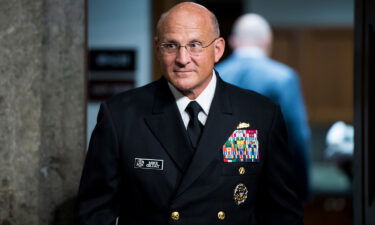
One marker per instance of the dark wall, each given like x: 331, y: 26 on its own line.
x: 226, y: 12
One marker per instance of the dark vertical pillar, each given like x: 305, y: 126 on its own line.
x: 364, y: 181
x: 42, y: 109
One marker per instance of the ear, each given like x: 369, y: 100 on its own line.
x: 219, y: 48
x: 268, y: 47
x: 232, y: 42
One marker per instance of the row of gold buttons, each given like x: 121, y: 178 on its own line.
x: 176, y: 215
x: 220, y: 215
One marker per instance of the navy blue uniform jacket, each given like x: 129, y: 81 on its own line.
x: 145, y: 123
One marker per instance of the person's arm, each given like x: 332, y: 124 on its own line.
x: 293, y: 109
x: 97, y: 201
x: 277, y: 202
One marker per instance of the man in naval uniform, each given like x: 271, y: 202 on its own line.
x: 188, y: 148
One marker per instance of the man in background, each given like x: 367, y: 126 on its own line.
x: 251, y: 68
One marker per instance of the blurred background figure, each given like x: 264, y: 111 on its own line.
x: 251, y: 68
x: 340, y: 146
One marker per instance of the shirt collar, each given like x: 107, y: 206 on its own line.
x: 204, y: 99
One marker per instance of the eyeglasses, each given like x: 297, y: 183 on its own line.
x: 194, y: 48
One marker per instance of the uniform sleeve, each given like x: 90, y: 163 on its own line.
x: 277, y: 202
x: 97, y: 201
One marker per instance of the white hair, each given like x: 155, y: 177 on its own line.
x: 252, y: 29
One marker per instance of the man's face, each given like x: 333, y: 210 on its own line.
x: 188, y: 72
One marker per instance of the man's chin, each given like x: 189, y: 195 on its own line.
x: 184, y: 87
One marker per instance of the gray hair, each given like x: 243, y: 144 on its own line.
x: 215, y: 24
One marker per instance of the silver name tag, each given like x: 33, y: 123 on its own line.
x: 154, y: 164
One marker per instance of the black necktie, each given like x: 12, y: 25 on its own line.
x: 194, y: 128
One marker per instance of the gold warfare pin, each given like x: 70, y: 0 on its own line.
x: 243, y: 125
x: 240, y: 194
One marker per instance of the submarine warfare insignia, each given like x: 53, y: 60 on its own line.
x: 240, y: 194
x: 243, y: 125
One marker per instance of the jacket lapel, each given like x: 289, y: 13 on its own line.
x: 220, y: 124
x: 167, y: 126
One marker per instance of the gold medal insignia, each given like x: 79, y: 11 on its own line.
x: 243, y: 125
x: 240, y: 194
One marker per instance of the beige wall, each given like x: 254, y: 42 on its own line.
x: 324, y: 60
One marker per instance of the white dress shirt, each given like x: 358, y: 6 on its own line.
x: 204, y: 100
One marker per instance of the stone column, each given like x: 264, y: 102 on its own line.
x: 42, y: 109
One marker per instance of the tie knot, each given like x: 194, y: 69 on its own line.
x: 193, y: 109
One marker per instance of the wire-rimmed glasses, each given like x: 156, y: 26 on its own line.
x: 194, y: 48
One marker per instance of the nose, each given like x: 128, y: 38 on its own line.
x: 183, y: 56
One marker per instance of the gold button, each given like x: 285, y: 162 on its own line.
x: 221, y: 215
x: 175, y: 215
x: 242, y: 170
